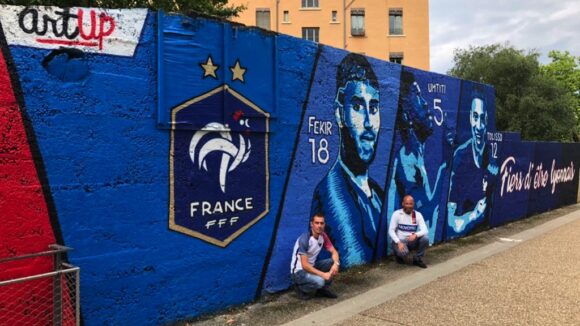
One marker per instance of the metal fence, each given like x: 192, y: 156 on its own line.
x: 42, y: 289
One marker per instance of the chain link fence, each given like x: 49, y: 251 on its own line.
x: 42, y: 289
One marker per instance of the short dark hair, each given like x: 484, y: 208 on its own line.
x: 317, y: 214
x: 478, y: 92
x: 355, y: 67
x: 406, y: 120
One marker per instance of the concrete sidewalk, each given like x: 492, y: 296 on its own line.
x: 532, y: 277
x: 383, y: 293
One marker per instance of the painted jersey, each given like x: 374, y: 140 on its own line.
x: 309, y: 246
x: 351, y: 216
x: 470, y: 183
x: 402, y: 225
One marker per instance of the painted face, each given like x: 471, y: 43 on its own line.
x: 478, y: 120
x: 317, y: 225
x: 418, y: 110
x: 408, y: 204
x: 362, y: 117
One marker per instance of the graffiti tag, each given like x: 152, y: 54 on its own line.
x: 110, y: 31
x: 61, y: 23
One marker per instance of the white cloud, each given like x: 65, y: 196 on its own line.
x: 534, y: 24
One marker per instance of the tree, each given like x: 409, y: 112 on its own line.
x: 528, y: 100
x: 217, y: 8
x: 565, y: 68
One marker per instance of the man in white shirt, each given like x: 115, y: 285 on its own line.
x: 408, y: 231
x: 310, y: 276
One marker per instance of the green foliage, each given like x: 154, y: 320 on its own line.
x: 217, y: 8
x: 538, y: 101
x: 566, y: 69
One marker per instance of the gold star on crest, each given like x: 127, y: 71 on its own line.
x: 238, y: 72
x: 209, y: 69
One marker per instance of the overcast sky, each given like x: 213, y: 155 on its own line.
x: 543, y: 25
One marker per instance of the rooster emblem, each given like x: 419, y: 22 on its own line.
x: 232, y: 155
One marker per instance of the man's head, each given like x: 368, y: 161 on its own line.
x: 478, y: 121
x: 408, y: 204
x: 414, y: 113
x: 357, y: 111
x: 317, y: 224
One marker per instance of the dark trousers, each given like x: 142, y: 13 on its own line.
x: 420, y: 245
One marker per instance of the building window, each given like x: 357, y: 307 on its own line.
x: 396, y: 57
x: 309, y: 3
x: 396, y: 21
x: 357, y: 22
x: 263, y: 18
x: 311, y: 34
x: 333, y: 18
x: 286, y: 16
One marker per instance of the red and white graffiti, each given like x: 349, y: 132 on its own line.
x: 89, y: 29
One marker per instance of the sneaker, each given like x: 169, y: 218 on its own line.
x: 399, y: 260
x: 302, y: 295
x: 419, y: 262
x: 326, y: 293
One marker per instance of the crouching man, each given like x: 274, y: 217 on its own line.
x: 312, y: 277
x: 408, y: 231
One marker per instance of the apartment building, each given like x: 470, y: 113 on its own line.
x: 394, y: 30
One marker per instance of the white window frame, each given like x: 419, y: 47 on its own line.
x: 393, y: 30
x: 310, y: 4
x: 360, y: 14
x: 311, y: 34
x: 264, y: 10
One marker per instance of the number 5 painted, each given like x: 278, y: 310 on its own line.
x: 436, y: 106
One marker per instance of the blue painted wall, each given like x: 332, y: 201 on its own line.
x: 272, y: 115
x: 425, y: 140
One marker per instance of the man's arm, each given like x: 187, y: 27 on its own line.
x: 422, y: 227
x: 393, y: 227
x: 460, y: 222
x: 336, y: 266
x: 335, y: 257
x: 303, y: 243
x: 312, y: 270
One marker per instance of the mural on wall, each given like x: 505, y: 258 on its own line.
x: 21, y: 179
x: 510, y: 205
x: 202, y: 148
x: 97, y: 173
x: 29, y: 223
x: 474, y: 171
x: 210, y: 166
x: 219, y: 155
x: 425, y: 132
x: 109, y: 31
x: 534, y: 178
x: 340, y: 166
x: 348, y: 196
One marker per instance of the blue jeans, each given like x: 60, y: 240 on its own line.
x: 309, y: 283
x: 420, y: 244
